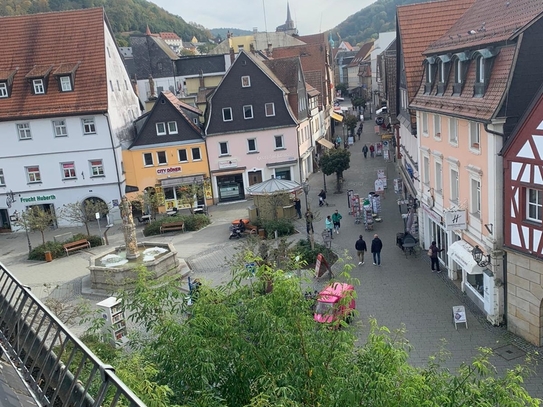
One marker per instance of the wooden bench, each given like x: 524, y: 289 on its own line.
x: 78, y: 244
x: 172, y: 226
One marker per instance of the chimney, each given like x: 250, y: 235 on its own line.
x: 269, y: 50
x: 232, y: 55
x: 252, y: 48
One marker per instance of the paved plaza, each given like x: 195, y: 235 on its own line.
x: 402, y: 292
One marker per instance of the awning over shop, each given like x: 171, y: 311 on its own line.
x: 460, y: 252
x: 174, y: 182
x: 325, y: 143
x: 336, y: 116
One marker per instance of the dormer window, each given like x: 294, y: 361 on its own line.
x: 480, y: 70
x: 3, y: 90
x: 430, y: 74
x: 39, y: 88
x: 65, y: 84
x: 484, y: 59
x: 6, y: 81
x: 458, y: 71
x: 65, y: 75
x: 443, y: 68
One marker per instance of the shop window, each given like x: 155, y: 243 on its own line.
x: 196, y: 154
x: 96, y: 168
x: 33, y: 174
x: 60, y: 129
x: 182, y: 155
x: 283, y: 173
x: 169, y: 193
x: 161, y: 158
x: 148, y: 159
x: 534, y: 209
x: 68, y: 170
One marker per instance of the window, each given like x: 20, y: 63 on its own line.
x: 437, y: 126
x: 160, y: 129
x: 33, y: 174
x: 39, y: 88
x: 454, y: 185
x: 480, y: 70
x: 88, y: 126
x: 534, y: 211
x: 453, y: 130
x: 60, y: 128
x: 24, y: 131
x: 126, y: 84
x: 65, y: 84
x: 426, y: 170
x: 270, y: 109
x: 424, y: 123
x: 227, y: 114
x: 196, y: 154
x: 172, y: 127
x: 439, y: 178
x: 223, y: 148
x: 108, y: 54
x: 96, y: 168
x: 441, y: 71
x: 279, y: 142
x: 458, y: 71
x: 147, y: 159
x: 247, y: 112
x: 4, y: 90
x: 68, y: 170
x: 475, y: 204
x: 182, y: 155
x: 283, y: 173
x: 111, y: 85
x: 245, y: 81
x: 474, y: 135
x: 251, y: 145
x: 161, y: 157
x: 118, y: 86
x: 2, y: 179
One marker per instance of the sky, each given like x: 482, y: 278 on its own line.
x: 310, y: 16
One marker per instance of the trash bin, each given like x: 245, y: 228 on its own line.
x: 48, y: 257
x: 262, y: 233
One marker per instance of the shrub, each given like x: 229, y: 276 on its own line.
x: 192, y: 222
x: 56, y: 249
x: 303, y: 249
x: 284, y: 227
x: 94, y: 240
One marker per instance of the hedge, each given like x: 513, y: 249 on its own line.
x: 192, y: 222
x: 57, y: 249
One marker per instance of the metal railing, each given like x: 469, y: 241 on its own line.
x: 56, y: 366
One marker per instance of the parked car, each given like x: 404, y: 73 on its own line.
x: 335, y: 303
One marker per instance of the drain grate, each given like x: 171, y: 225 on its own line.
x: 509, y: 352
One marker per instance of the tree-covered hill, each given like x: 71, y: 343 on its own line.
x: 123, y: 15
x: 368, y: 22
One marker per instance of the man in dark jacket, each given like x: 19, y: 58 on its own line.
x: 360, y: 247
x: 434, y: 257
x: 365, y: 151
x: 376, y: 247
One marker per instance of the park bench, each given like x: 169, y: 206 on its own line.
x: 172, y: 226
x: 78, y: 244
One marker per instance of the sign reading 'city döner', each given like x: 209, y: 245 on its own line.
x: 169, y: 170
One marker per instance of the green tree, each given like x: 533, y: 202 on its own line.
x: 351, y: 121
x: 83, y: 213
x: 359, y: 102
x: 335, y: 161
x: 342, y: 87
x: 37, y: 219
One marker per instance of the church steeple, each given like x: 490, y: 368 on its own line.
x: 289, y: 26
x: 289, y: 23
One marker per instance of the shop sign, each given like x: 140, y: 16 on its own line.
x: 431, y: 214
x: 456, y: 220
x: 228, y: 164
x: 169, y: 170
x: 38, y: 198
x: 459, y: 316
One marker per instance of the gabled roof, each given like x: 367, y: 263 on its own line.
x: 165, y: 47
x: 362, y: 54
x: 418, y: 26
x: 59, y: 40
x: 311, y: 91
x: 286, y: 70
x: 313, y: 38
x: 489, y: 21
x: 169, y: 36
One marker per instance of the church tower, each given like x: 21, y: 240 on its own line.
x: 289, y: 26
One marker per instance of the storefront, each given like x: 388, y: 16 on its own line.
x: 435, y: 231
x: 230, y: 186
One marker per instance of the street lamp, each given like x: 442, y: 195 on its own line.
x: 478, y: 256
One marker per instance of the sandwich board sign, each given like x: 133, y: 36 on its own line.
x: 459, y: 316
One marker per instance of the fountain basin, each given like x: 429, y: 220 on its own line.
x: 110, y: 271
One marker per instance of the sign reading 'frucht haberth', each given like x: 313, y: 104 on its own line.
x: 38, y: 198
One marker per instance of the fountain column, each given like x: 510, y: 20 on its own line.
x: 129, y: 229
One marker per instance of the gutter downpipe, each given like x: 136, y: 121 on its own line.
x: 106, y: 115
x: 504, y: 252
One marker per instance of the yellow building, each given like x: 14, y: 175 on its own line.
x: 168, y: 156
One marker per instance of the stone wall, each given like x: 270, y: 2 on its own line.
x: 524, y: 297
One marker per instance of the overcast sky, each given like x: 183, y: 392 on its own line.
x: 310, y: 16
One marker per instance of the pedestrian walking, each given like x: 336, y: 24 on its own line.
x: 338, y: 141
x: 372, y: 151
x: 376, y: 247
x: 361, y: 248
x: 336, y: 220
x: 365, y: 151
x: 434, y: 256
x: 322, y: 198
x: 309, y: 221
x: 298, y: 207
x: 328, y: 225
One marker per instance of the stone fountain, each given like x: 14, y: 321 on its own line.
x: 115, y: 269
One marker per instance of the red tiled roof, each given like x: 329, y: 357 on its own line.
x: 466, y: 105
x: 489, y: 21
x: 363, y: 53
x: 52, y: 40
x: 311, y: 91
x: 169, y: 36
x: 419, y: 25
x: 313, y: 38
x: 39, y: 71
x: 65, y: 69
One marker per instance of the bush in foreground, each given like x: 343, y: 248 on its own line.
x: 192, y: 222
